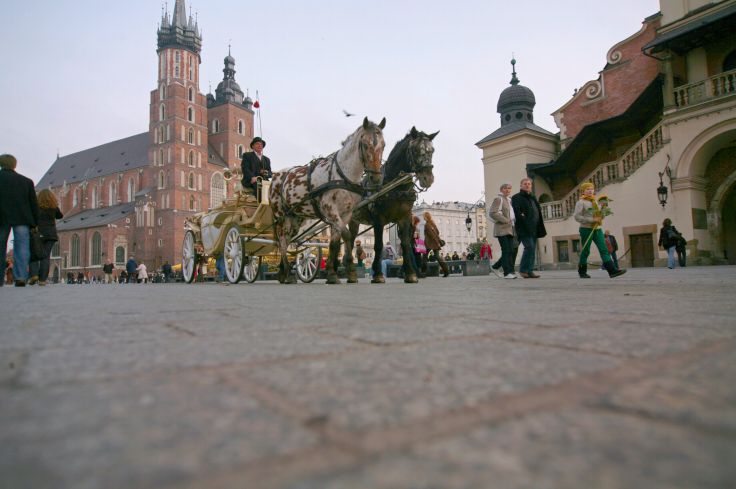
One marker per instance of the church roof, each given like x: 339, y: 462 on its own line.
x: 116, y: 156
x: 95, y: 217
x: 511, y: 128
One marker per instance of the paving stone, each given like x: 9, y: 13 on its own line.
x: 575, y: 449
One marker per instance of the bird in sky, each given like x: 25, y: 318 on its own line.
x: 347, y: 114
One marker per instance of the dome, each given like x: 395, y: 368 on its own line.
x: 229, y: 60
x: 516, y: 96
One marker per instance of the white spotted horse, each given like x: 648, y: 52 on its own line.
x: 413, y: 154
x: 328, y: 189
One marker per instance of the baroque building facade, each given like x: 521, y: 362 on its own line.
x: 130, y: 197
x: 662, y: 110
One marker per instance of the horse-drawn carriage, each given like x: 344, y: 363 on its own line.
x: 341, y: 190
x: 240, y: 232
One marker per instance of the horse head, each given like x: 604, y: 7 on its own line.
x: 413, y: 154
x: 370, y: 146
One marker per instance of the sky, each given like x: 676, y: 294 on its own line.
x: 78, y: 73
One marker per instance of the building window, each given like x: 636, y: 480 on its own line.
x: 576, y: 246
x: 191, y: 69
x: 160, y: 221
x: 161, y: 179
x: 216, y: 126
x: 131, y: 189
x: 241, y: 127
x: 217, y: 190
x: 563, y: 252
x: 161, y: 157
x: 93, y: 205
x: 191, y: 181
x: 177, y: 63
x: 160, y: 135
x: 190, y: 140
x: 160, y: 243
x: 96, y: 249
x: 241, y: 150
x: 162, y: 91
x: 191, y: 94
x: 111, y: 197
x: 161, y: 112
x: 190, y: 158
x: 190, y: 114
x: 191, y: 203
x: 75, y: 198
x: 119, y: 255
x: 75, y: 250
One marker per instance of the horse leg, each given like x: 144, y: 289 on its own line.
x: 333, y: 262
x: 348, y: 237
x: 378, y: 277
x: 405, y: 233
x: 284, y: 274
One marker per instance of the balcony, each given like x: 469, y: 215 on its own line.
x: 721, y: 85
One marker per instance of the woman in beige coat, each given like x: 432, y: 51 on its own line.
x: 502, y: 214
x: 432, y: 241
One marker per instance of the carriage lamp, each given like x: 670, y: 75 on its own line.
x: 468, y: 222
x: 662, y: 191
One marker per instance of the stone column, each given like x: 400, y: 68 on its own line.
x: 668, y: 88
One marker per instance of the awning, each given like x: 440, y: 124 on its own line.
x: 712, y: 27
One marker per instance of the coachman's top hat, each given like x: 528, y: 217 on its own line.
x: 257, y: 140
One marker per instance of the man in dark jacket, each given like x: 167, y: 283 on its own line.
x: 19, y: 212
x: 529, y: 226
x: 166, y: 270
x: 132, y: 268
x: 255, y: 164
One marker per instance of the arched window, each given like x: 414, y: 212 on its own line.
x: 93, y: 204
x: 217, y: 190
x: 96, y: 249
x: 191, y: 94
x: 111, y: 197
x: 190, y: 114
x: 240, y: 151
x: 161, y: 179
x: 75, y: 250
x: 162, y: 91
x: 161, y: 157
x: 241, y: 127
x: 160, y: 135
x: 190, y: 158
x: 190, y: 180
x: 161, y: 112
x: 216, y: 126
x: 131, y: 189
x: 119, y: 255
x: 192, y: 205
x: 190, y: 138
x: 75, y: 197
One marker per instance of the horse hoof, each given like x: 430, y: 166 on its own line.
x: 333, y: 279
x: 352, y: 280
x: 411, y: 279
x: 378, y: 279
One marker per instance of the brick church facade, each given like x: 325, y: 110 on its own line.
x: 130, y: 197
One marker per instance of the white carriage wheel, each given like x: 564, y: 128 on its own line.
x: 307, y: 264
x: 251, y: 268
x: 188, y: 257
x: 232, y: 253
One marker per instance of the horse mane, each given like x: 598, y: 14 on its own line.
x: 398, y: 159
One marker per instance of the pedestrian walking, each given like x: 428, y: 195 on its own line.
x: 142, y: 273
x: 669, y: 239
x: 18, y: 212
x: 48, y: 213
x: 107, y: 269
x: 434, y: 242
x: 131, y: 267
x: 502, y: 214
x: 529, y: 225
x: 590, y: 212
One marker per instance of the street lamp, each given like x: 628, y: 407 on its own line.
x: 468, y: 222
x: 662, y: 190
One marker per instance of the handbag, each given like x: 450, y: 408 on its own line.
x: 36, y: 245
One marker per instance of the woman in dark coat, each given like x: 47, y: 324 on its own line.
x: 49, y: 212
x: 669, y: 238
x: 432, y: 241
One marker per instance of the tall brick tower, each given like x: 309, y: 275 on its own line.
x: 230, y: 117
x: 179, y: 173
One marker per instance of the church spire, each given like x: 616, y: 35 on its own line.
x: 180, y: 32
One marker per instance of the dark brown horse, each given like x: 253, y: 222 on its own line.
x: 413, y: 154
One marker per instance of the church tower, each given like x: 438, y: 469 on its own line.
x: 230, y: 117
x: 178, y: 173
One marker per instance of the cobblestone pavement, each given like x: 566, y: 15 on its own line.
x: 452, y: 383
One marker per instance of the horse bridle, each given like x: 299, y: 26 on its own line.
x: 418, y: 168
x: 368, y: 171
